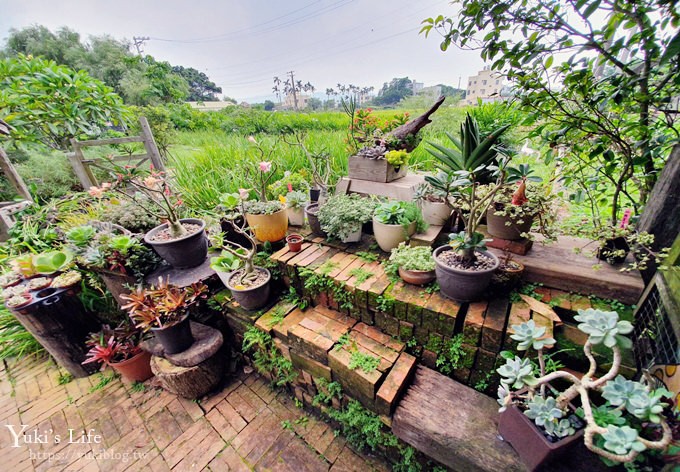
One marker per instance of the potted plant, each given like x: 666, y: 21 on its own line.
x: 181, y: 242
x: 319, y: 163
x: 414, y: 265
x: 250, y: 285
x: 19, y: 300
x: 512, y: 212
x: 67, y: 279
x: 464, y: 267
x: 342, y: 216
x: 294, y: 242
x: 119, y: 348
x: 432, y: 203
x: 539, y: 421
x: 10, y: 279
x: 164, y: 309
x: 509, y: 273
x: 312, y: 213
x: 48, y: 263
x: 295, y: 203
x: 394, y: 222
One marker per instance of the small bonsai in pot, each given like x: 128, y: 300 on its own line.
x: 250, y: 286
x: 394, y: 222
x: 119, y: 348
x: 164, y: 309
x: 414, y: 265
x: 342, y: 216
x: 464, y: 268
x: 181, y: 242
x: 295, y: 203
x: 539, y: 420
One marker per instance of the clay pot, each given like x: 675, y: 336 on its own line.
x: 136, y: 369
x: 175, y: 338
x: 251, y: 298
x: 507, y: 277
x: 498, y: 227
x: 294, y: 242
x: 269, y: 228
x: 606, y: 252
x: 188, y: 251
x: 389, y: 236
x: 417, y: 277
x: 462, y: 285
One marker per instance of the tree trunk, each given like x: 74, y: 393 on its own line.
x: 188, y: 382
x: 412, y: 127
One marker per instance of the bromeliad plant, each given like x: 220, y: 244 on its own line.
x: 635, y: 407
x: 473, y: 161
x: 113, y: 345
x: 162, y: 305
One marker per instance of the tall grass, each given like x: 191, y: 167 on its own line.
x: 15, y: 341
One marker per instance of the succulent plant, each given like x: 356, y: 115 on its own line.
x: 635, y: 398
x: 529, y: 335
x: 81, y: 235
x: 67, y: 279
x: 543, y: 411
x: 517, y: 373
x: 622, y: 439
x: 51, y: 262
x: 604, y: 327
x: 560, y: 429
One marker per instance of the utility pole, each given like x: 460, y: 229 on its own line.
x: 138, y: 41
x: 292, y: 86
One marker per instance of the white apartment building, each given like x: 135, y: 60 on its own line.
x: 486, y: 85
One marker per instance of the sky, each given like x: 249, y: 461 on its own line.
x: 242, y: 45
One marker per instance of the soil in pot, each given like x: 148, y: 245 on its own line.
x: 175, y: 338
x: 460, y: 282
x: 610, y: 251
x: 187, y: 251
x: 498, y: 227
x: 255, y: 294
x: 135, y: 369
x: 417, y: 277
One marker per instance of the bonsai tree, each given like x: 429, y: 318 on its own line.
x: 634, y: 406
x: 265, y: 171
x: 471, y: 161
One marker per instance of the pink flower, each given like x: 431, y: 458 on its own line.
x: 243, y: 193
x: 97, y: 192
x: 252, y: 139
x: 151, y: 181
x: 265, y: 166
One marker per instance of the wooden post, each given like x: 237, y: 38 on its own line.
x: 13, y: 176
x: 150, y: 144
x: 82, y: 171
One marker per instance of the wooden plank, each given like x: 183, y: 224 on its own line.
x: 345, y: 274
x: 13, y: 176
x: 83, y: 172
x: 130, y: 158
x: 150, y: 144
x: 109, y: 141
x: 350, y: 259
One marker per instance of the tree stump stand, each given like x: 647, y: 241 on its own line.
x: 191, y: 373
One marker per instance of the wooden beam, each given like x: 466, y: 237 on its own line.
x: 150, y: 144
x: 13, y: 176
x: 104, y: 142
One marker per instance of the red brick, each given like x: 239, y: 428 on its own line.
x: 394, y: 384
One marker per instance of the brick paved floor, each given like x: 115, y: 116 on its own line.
x: 240, y: 428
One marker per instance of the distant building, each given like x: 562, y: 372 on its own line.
x: 210, y: 106
x: 289, y: 101
x: 416, y: 87
x: 486, y: 85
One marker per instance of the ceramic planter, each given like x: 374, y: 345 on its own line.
x: 417, y: 277
x: 462, y: 285
x: 136, y: 369
x: 435, y: 213
x: 389, y: 236
x: 269, y: 228
x: 604, y: 253
x: 296, y: 216
x: 251, y: 298
x: 312, y: 211
x: 187, y: 251
x: 504, y: 227
x: 353, y: 237
x: 175, y: 338
x: 294, y: 242
x: 529, y: 442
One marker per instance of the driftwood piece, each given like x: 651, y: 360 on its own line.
x: 188, y: 382
x: 207, y: 341
x: 414, y: 126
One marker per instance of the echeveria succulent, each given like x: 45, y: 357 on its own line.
x: 517, y: 373
x: 649, y: 406
x: 604, y: 327
x: 560, y: 428
x: 528, y: 335
x: 622, y: 439
x: 544, y: 412
x: 622, y: 391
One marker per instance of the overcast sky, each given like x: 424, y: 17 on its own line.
x: 241, y: 45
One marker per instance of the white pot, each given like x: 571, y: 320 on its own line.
x: 435, y: 213
x: 354, y: 237
x: 389, y: 236
x: 296, y: 216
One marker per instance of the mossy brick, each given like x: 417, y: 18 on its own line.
x: 572, y: 333
x: 392, y: 326
x: 345, y: 274
x: 328, y: 327
x: 414, y: 315
x: 544, y: 293
x: 579, y: 302
x: 377, y: 272
x: 310, y: 343
x: 434, y: 342
x: 470, y: 355
x: 462, y: 375
x: 357, y: 383
x: 381, y: 320
x: 421, y: 335
x: 377, y: 290
x: 445, y: 324
x: 373, y: 347
x: 494, y: 324
x: 283, y: 348
x: 560, y: 299
x: 342, y: 318
x: 519, y: 313
x: 319, y: 255
x: 474, y: 321
x: 395, y: 383
x: 405, y: 330
x: 485, y: 361
x: 303, y: 254
x: 367, y: 317
x: 307, y: 364
x: 379, y: 336
x: 430, y: 320
x: 429, y: 358
x: 281, y: 330
x: 272, y: 317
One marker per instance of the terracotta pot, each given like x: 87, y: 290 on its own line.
x: 389, y: 236
x: 525, y: 438
x: 296, y: 216
x: 269, y: 228
x: 354, y: 237
x: 417, y: 277
x: 435, y: 213
x: 251, y: 298
x: 187, y: 251
x: 504, y: 227
x: 462, y: 285
x: 136, y: 369
x: 175, y: 338
x: 294, y: 242
x: 312, y: 211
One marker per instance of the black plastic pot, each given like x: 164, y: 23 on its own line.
x: 314, y: 194
x: 175, y: 338
x: 607, y: 251
x: 252, y: 298
x: 188, y: 251
x: 462, y: 285
x: 312, y: 211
